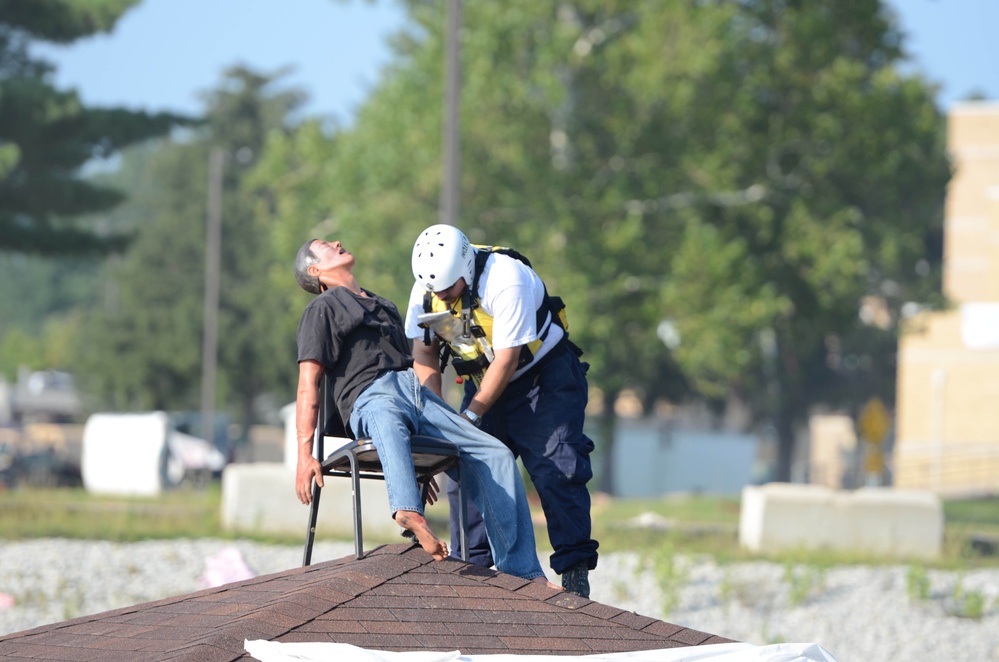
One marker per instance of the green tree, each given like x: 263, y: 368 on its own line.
x: 46, y: 134
x: 145, y: 345
x: 746, y: 171
x: 520, y: 185
x: 38, y: 296
x: 838, y: 170
x: 732, y: 176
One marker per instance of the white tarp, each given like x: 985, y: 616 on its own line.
x: 274, y: 651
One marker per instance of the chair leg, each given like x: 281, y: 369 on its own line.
x: 310, y: 535
x: 462, y: 517
x: 355, y: 479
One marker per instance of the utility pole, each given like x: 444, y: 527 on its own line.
x: 452, y: 95
x: 213, y: 250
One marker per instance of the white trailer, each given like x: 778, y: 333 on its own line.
x: 142, y: 454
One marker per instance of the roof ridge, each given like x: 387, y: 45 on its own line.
x: 396, y: 597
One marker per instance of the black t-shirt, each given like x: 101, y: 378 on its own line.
x: 356, y: 338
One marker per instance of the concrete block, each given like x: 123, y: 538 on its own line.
x: 897, y: 523
x: 882, y: 521
x: 260, y: 497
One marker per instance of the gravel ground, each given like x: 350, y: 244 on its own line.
x: 854, y: 612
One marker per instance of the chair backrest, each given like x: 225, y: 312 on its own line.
x: 333, y: 425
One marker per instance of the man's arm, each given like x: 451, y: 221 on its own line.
x: 495, y: 380
x: 426, y: 364
x: 306, y: 416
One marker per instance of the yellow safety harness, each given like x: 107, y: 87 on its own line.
x: 470, y: 353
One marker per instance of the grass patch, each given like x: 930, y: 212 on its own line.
x: 683, y: 524
x: 917, y: 583
x: 983, y: 513
x: 699, y: 524
x: 74, y: 513
x: 803, y: 582
x: 689, y: 509
x: 689, y: 524
x: 971, y: 530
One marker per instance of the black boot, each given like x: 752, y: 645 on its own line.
x: 576, y: 580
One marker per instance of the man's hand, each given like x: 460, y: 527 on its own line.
x: 308, y: 469
x: 494, y: 382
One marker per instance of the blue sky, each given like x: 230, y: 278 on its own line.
x: 163, y: 53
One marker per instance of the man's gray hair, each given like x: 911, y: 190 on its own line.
x: 305, y: 259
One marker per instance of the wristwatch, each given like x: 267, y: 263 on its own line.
x: 475, y: 419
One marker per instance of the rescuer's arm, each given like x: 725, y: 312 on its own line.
x: 495, y: 380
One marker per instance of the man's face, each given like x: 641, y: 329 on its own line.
x: 332, y: 262
x: 331, y: 255
x: 453, y: 293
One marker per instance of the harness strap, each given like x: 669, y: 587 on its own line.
x: 548, y: 313
x: 547, y: 304
x: 555, y: 352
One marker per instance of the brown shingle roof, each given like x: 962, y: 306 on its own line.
x: 396, y: 598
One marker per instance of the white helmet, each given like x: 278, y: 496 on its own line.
x: 441, y: 256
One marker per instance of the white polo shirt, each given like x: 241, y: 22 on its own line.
x: 511, y: 293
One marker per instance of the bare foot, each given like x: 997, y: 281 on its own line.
x: 416, y: 524
x: 544, y: 580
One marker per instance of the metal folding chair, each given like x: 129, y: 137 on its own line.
x: 358, y: 459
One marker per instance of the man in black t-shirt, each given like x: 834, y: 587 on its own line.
x: 358, y: 339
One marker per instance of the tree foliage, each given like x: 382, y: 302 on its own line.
x: 715, y: 188
x: 145, y: 346
x: 741, y: 173
x: 841, y: 165
x: 47, y: 134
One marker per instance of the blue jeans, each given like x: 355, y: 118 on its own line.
x: 540, y: 417
x: 396, y: 406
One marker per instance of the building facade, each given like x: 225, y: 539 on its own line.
x: 947, y: 434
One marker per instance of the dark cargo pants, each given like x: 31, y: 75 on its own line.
x: 540, y: 417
